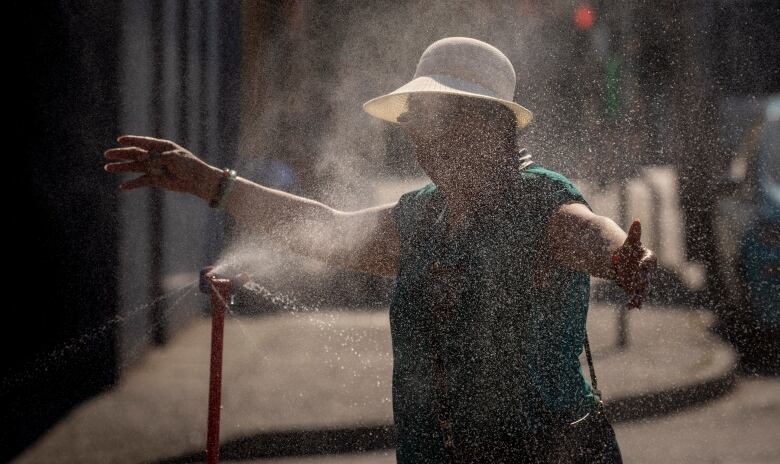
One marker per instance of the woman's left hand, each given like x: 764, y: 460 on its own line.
x: 634, y: 265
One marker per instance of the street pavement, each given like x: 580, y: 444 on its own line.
x: 740, y: 427
x: 298, y: 386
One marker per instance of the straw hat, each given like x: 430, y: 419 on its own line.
x: 456, y: 66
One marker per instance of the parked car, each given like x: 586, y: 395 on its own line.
x: 748, y: 228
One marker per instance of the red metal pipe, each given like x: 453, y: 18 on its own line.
x: 220, y: 298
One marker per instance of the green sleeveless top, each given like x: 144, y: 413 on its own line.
x: 511, y: 347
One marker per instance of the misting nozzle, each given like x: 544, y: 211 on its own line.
x: 207, y: 276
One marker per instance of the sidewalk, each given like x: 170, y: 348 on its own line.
x: 318, y: 385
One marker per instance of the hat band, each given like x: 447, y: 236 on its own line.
x: 446, y: 84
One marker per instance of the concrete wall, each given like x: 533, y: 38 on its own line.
x: 179, y: 81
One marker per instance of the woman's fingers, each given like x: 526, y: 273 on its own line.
x: 641, y: 279
x: 147, y: 143
x: 163, y: 163
x: 634, y: 236
x: 130, y: 166
x: 143, y: 181
x: 634, y: 265
x: 126, y: 153
x: 647, y: 268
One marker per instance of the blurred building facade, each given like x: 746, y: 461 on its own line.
x: 88, y: 73
x: 615, y: 87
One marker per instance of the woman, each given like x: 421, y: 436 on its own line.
x: 492, y: 260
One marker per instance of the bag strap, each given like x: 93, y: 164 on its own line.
x: 593, y: 380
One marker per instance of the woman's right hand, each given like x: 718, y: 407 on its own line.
x: 163, y: 164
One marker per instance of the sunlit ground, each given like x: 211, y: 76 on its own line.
x: 331, y: 369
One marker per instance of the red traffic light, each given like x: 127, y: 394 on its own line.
x: 584, y: 16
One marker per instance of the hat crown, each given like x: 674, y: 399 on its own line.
x: 455, y: 66
x: 470, y: 60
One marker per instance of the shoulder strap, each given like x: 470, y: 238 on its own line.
x: 593, y: 380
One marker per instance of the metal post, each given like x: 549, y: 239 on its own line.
x: 622, y: 325
x: 220, y: 297
x: 622, y: 336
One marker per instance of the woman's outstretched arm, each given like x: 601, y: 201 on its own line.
x: 365, y: 240
x: 586, y: 242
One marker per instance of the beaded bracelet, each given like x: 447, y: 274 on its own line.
x: 226, y: 183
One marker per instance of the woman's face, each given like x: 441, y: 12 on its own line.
x: 434, y: 118
x: 444, y: 127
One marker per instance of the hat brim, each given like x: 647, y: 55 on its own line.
x: 389, y: 107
